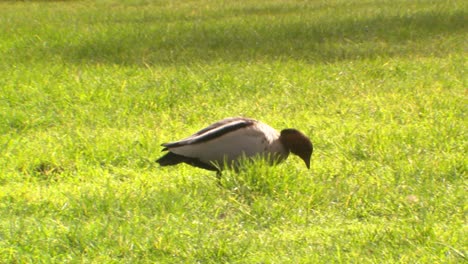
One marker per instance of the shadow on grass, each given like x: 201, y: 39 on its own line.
x: 150, y: 40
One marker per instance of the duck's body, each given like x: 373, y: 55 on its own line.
x: 226, y: 141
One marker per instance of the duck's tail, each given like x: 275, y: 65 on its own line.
x: 170, y: 159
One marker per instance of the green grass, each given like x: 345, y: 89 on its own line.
x: 90, y: 89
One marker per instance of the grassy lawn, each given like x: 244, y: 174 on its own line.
x: 90, y: 89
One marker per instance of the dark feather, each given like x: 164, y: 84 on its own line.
x: 171, y: 159
x: 211, y: 132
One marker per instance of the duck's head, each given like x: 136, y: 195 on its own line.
x: 297, y: 143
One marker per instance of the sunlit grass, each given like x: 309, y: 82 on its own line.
x: 89, y: 90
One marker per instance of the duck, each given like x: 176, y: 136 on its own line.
x: 224, y: 143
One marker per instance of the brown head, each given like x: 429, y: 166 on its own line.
x: 297, y: 143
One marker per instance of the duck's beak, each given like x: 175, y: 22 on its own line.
x: 306, y: 161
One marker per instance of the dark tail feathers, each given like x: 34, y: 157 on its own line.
x: 170, y: 159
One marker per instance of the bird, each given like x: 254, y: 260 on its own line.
x: 224, y: 143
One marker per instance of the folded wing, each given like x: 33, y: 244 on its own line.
x: 212, y: 132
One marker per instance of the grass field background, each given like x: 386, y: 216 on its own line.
x: 90, y: 89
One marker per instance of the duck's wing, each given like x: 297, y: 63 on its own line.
x: 212, y: 132
x: 224, y: 144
